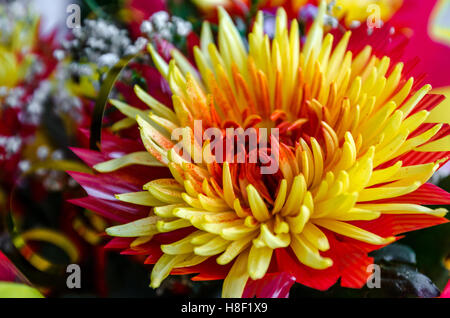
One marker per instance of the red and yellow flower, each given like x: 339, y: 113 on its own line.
x: 356, y: 149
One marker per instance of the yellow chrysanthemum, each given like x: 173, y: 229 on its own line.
x: 362, y: 10
x: 342, y: 121
x: 20, y: 40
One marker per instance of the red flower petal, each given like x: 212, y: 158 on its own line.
x: 426, y: 194
x: 416, y: 15
x: 446, y: 291
x: 102, y: 186
x: 394, y: 224
x: 119, y: 243
x: 318, y: 279
x: 273, y: 285
x: 353, y: 264
x: 90, y: 157
x: 113, y: 210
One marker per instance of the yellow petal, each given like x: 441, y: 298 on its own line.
x: 316, y: 237
x: 141, y: 227
x: 234, y: 283
x: 213, y: 247
x: 298, y: 222
x: 259, y: 261
x: 353, y: 232
x: 182, y: 246
x: 166, y: 190
x: 257, y: 205
x: 135, y: 158
x: 295, y: 197
x: 274, y: 241
x: 163, y: 268
x: 141, y: 198
x: 234, y: 249
x: 308, y: 254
